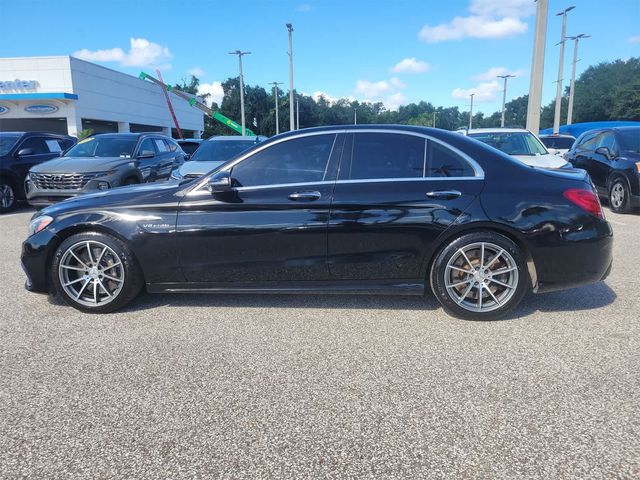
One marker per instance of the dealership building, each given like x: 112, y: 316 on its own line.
x: 67, y: 95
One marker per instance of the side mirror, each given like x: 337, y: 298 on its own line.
x: 25, y: 152
x: 605, y: 152
x: 146, y: 154
x: 219, y: 182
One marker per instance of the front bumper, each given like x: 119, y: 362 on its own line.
x: 41, y: 197
x: 37, y: 251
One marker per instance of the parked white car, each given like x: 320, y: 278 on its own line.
x: 519, y: 143
x: 559, y: 144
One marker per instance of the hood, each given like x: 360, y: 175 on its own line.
x: 118, y: 197
x: 198, y: 168
x: 545, y: 161
x: 81, y: 164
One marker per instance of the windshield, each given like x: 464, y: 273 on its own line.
x: 512, y: 143
x: 559, y: 143
x: 220, y: 150
x: 630, y: 139
x: 7, y: 142
x: 104, y: 147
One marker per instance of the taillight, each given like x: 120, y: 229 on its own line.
x: 586, y: 200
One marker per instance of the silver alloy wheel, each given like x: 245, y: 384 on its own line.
x: 481, y: 277
x: 617, y: 195
x: 91, y: 273
x: 7, y: 196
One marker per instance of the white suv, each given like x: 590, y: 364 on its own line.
x: 519, y: 143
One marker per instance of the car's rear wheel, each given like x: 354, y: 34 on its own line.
x: 95, y: 273
x: 619, y: 196
x: 480, y: 276
x: 8, y: 198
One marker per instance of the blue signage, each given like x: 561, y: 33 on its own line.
x: 41, y: 108
x: 3, y: 109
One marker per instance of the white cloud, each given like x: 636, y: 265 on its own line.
x: 330, y: 98
x: 196, y: 72
x: 372, y: 89
x: 385, y: 91
x: 392, y: 102
x: 483, y: 92
x: 493, y: 72
x: 303, y: 7
x: 410, y: 65
x: 213, y: 88
x: 142, y: 53
x: 488, y: 19
x: 634, y: 39
x: 397, y: 83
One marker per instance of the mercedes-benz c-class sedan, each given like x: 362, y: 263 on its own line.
x: 369, y: 209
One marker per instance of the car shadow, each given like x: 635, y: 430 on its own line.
x: 589, y: 297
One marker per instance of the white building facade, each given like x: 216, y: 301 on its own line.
x: 67, y: 95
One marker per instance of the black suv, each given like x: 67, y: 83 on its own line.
x: 612, y: 158
x: 102, y: 162
x: 19, y: 151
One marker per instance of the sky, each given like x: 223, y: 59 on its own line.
x: 396, y: 52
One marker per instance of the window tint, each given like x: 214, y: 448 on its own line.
x: 54, y: 145
x: 387, y: 155
x: 294, y: 161
x: 558, y: 142
x: 160, y: 145
x: 37, y: 144
x: 589, y: 142
x: 443, y: 162
x: 172, y: 145
x: 147, y: 144
x: 607, y: 140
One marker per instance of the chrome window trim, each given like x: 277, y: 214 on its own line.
x: 479, y: 172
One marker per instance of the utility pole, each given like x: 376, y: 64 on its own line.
x: 576, y: 39
x: 504, y: 96
x: 556, y: 117
x: 297, y: 114
x: 434, y: 119
x: 471, y: 112
x: 537, y: 68
x: 275, y: 94
x: 292, y: 125
x: 240, y: 54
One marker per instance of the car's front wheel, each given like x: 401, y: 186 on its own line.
x: 8, y: 198
x: 95, y: 273
x: 480, y: 276
x: 619, y: 197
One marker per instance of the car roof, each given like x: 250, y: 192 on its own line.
x: 37, y: 133
x: 188, y: 140
x: 497, y: 130
x: 235, y: 138
x: 557, y: 135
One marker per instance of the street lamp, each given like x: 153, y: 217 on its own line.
x: 504, y: 95
x: 537, y: 68
x: 471, y: 112
x: 576, y: 39
x: 556, y: 117
x: 292, y: 125
x: 240, y: 54
x: 275, y: 94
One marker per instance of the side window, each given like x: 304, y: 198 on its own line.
x: 589, y: 142
x: 295, y: 161
x: 147, y: 144
x: 171, y: 145
x: 161, y: 147
x: 608, y: 140
x: 37, y: 144
x: 54, y: 145
x: 387, y: 155
x: 443, y: 162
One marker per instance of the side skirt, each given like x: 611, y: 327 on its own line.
x: 366, y: 287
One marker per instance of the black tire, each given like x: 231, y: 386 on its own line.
x: 484, y: 291
x: 129, y: 287
x: 619, y: 197
x: 8, y: 195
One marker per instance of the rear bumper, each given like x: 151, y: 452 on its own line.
x: 580, y: 258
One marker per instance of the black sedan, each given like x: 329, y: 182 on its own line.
x: 370, y: 209
x: 612, y: 158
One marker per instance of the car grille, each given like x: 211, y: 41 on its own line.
x: 62, y: 181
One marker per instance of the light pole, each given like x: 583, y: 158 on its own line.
x: 576, y: 39
x: 556, y: 117
x: 275, y: 94
x: 504, y: 95
x: 471, y: 111
x: 537, y: 68
x: 240, y: 54
x: 434, y: 119
x: 297, y: 114
x: 355, y: 116
x: 292, y: 125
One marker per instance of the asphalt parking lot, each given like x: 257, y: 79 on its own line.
x: 193, y: 386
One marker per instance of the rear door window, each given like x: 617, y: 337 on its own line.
x: 161, y: 147
x: 444, y: 162
x: 387, y: 155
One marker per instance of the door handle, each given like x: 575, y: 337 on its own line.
x: 444, y: 194
x: 306, y: 196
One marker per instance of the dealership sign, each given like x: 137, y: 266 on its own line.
x: 18, y: 84
x: 3, y: 109
x: 41, y: 108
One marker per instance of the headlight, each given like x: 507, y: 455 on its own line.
x: 39, y: 223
